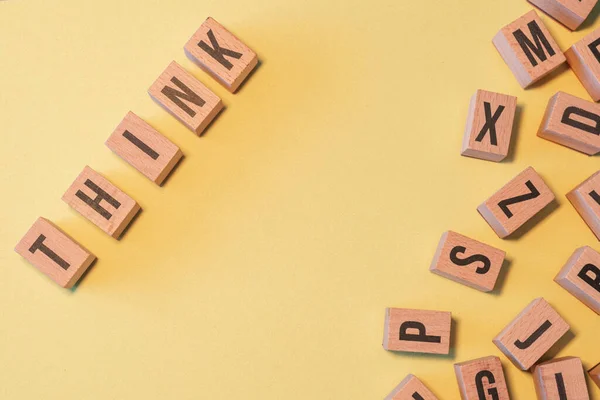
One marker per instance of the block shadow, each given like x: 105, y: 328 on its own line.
x: 515, y: 132
x: 502, y: 276
x: 527, y: 226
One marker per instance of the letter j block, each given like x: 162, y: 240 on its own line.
x: 411, y: 388
x: 581, y: 277
x: 417, y: 331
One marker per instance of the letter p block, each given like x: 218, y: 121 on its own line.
x: 417, y: 331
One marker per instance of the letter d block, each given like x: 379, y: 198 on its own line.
x: 559, y: 379
x: 595, y: 374
x: 586, y: 200
x: 572, y: 122
x: 54, y: 253
x: 417, y: 331
x: 581, y: 277
x: 584, y: 59
x: 411, y: 388
x: 528, y: 49
x: 570, y: 13
x: 482, y: 378
x: 531, y: 334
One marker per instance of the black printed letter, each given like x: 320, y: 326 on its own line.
x: 534, y: 336
x: 188, y: 94
x: 417, y: 396
x: 421, y: 336
x: 490, y: 123
x: 594, y: 48
x: 469, y: 260
x: 593, y: 282
x: 479, y: 384
x: 539, y: 39
x: 39, y: 245
x: 513, y: 200
x: 560, y: 386
x: 140, y: 145
x: 217, y: 52
x: 567, y: 120
x: 95, y: 203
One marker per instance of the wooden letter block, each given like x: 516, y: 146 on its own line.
x: 572, y: 122
x: 570, y: 13
x: 411, y: 388
x: 586, y: 200
x: 531, y: 334
x: 482, y: 378
x: 528, y: 49
x: 222, y: 55
x: 595, y: 374
x: 581, y: 277
x: 584, y: 59
x: 180, y: 94
x: 559, y: 379
x: 144, y: 148
x: 489, y: 125
x: 98, y: 200
x: 417, y: 331
x: 516, y: 203
x: 54, y: 253
x: 467, y: 261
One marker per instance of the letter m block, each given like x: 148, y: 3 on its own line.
x: 417, y: 331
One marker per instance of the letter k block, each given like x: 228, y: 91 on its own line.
x: 417, y: 331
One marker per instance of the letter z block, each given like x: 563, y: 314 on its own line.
x: 595, y: 374
x: 581, y: 277
x: 584, y: 59
x: 561, y: 378
x: 586, y: 200
x: 467, y: 261
x: 411, y: 388
x: 572, y: 122
x: 531, y: 334
x: 55, y: 253
x: 417, y: 331
x: 528, y: 49
x: 570, y: 13
x: 482, y: 378
x: 516, y: 203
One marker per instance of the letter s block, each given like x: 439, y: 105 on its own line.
x: 581, y: 277
x: 531, y: 334
x: 482, y: 378
x: 411, y: 388
x: 561, y: 378
x: 570, y: 13
x: 417, y: 331
x: 586, y: 200
x: 572, y: 122
x: 584, y: 59
x: 595, y: 374
x: 528, y: 49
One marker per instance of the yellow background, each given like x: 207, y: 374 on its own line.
x: 261, y: 270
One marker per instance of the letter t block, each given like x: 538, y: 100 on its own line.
x: 417, y: 331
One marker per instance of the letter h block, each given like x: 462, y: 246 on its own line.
x: 559, y: 379
x: 411, y: 388
x: 584, y: 59
x: 417, y: 331
x: 482, y: 378
x: 581, y: 277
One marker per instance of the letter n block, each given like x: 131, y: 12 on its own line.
x: 595, y: 374
x: 185, y: 98
x: 570, y: 13
x: 561, y: 378
x: 467, y: 261
x: 528, y: 49
x: 531, y: 334
x: 222, y: 55
x: 586, y: 200
x: 516, y: 203
x: 581, y: 277
x: 482, y: 378
x: 54, y: 253
x: 417, y: 331
x: 489, y: 126
x: 584, y: 59
x: 98, y: 200
x: 411, y: 388
x: 572, y: 122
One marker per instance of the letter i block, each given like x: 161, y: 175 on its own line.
x: 181, y: 95
x: 528, y: 49
x: 572, y: 122
x: 531, y: 334
x: 584, y: 59
x: 467, y: 261
x: 489, y: 126
x: 417, y: 331
x: 562, y: 378
x: 595, y: 374
x: 581, y: 277
x: 411, y: 388
x: 516, y: 203
x: 586, y: 200
x: 98, y: 200
x: 54, y: 253
x: 222, y: 55
x: 482, y: 378
x: 570, y: 13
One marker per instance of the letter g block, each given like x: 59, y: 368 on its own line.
x: 417, y: 331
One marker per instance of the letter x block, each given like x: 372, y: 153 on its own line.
x: 528, y: 49
x: 482, y: 378
x: 516, y: 203
x: 584, y: 59
x: 559, y: 379
x: 586, y: 200
x: 595, y: 374
x: 411, y: 388
x: 489, y: 126
x: 570, y: 13
x: 218, y: 52
x: 467, y: 261
x: 572, y: 122
x: 531, y: 334
x: 417, y: 331
x: 54, y: 253
x: 581, y: 277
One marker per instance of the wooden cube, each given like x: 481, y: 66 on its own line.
x: 98, y: 200
x: 586, y: 200
x: 482, y: 378
x: 489, y: 126
x: 144, y: 148
x: 581, y: 277
x: 417, y: 331
x: 467, y: 261
x: 531, y: 334
x: 570, y: 13
x: 595, y: 374
x: 572, y: 122
x: 222, y: 55
x: 185, y: 98
x: 559, y: 379
x: 411, y: 388
x: 516, y: 203
x: 528, y: 49
x: 54, y: 253
x: 584, y: 59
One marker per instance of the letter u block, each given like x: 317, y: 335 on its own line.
x: 581, y: 277
x: 417, y: 331
x: 584, y: 59
x: 559, y: 379
x: 482, y: 378
x: 411, y: 388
